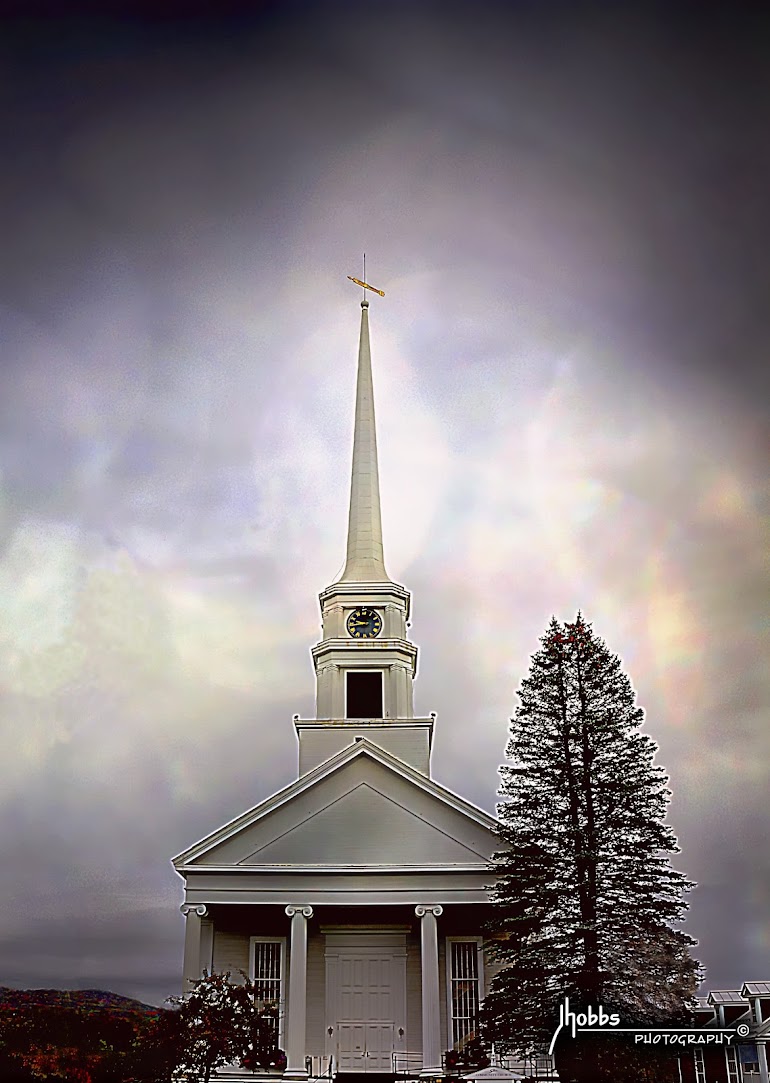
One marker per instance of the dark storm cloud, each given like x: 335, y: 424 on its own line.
x: 70, y: 951
x: 647, y: 147
x: 657, y: 116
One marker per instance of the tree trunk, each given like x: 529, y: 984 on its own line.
x: 591, y: 942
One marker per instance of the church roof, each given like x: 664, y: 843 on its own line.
x: 339, y: 814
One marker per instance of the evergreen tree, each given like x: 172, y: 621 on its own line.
x: 585, y: 898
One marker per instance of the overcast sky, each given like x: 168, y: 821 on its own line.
x: 567, y: 207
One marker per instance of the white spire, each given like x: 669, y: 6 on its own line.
x: 365, y: 561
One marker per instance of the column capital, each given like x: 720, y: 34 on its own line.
x: 305, y: 911
x: 192, y: 908
x: 436, y: 910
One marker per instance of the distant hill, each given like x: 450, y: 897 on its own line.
x: 87, y: 1000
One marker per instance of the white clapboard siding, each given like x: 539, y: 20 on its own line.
x: 410, y: 743
x: 231, y: 952
x: 413, y: 1037
x: 442, y: 993
x: 316, y: 996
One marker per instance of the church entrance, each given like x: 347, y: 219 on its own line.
x: 365, y: 999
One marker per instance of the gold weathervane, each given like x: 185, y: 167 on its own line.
x: 365, y: 285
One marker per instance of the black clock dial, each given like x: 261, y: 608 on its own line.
x: 364, y: 623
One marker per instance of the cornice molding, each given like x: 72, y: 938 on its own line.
x: 349, y: 588
x: 346, y: 643
x: 203, y: 870
x: 371, y: 723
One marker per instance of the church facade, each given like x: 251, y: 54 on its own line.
x: 355, y: 896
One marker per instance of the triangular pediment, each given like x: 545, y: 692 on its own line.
x: 364, y: 809
x: 365, y: 825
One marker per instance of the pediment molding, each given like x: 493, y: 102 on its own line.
x: 400, y: 772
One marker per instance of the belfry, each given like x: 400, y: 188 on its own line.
x: 355, y: 896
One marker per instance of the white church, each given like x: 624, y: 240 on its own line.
x: 354, y: 897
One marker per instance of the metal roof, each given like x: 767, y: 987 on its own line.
x: 756, y: 988
x: 726, y: 996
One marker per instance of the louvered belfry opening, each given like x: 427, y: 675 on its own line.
x: 364, y: 695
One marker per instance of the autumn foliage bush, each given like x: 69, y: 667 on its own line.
x: 100, y: 1038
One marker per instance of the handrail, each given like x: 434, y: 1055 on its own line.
x: 330, y: 1072
x: 405, y: 1054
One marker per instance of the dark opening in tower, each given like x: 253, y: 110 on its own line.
x: 364, y: 695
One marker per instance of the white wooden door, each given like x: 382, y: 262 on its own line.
x: 365, y: 1003
x: 365, y: 1047
x: 379, y: 1047
x: 351, y: 1051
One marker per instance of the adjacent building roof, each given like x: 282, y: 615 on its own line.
x: 726, y: 996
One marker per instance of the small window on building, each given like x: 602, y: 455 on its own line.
x: 464, y: 989
x: 749, y: 1059
x: 732, y: 1066
x: 700, y: 1068
x: 364, y: 695
x: 267, y: 975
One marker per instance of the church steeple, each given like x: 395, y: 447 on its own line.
x: 364, y: 662
x: 365, y: 561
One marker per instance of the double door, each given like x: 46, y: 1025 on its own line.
x: 365, y: 1047
x: 365, y: 998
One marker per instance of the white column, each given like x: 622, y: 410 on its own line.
x: 191, y: 971
x: 295, y: 1043
x: 431, y: 1020
x: 762, y: 1057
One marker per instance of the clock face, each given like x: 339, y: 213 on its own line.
x: 364, y: 623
